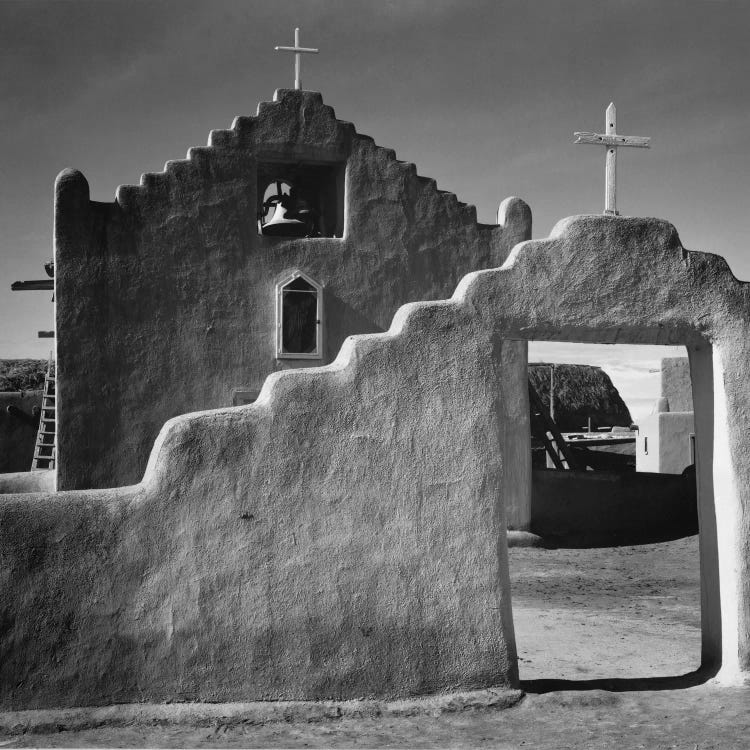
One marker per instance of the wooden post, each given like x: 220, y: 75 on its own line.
x: 552, y: 392
x: 610, y: 170
x: 297, y: 81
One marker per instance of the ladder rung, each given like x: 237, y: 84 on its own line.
x: 44, y: 448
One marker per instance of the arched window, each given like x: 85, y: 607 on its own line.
x: 299, y: 318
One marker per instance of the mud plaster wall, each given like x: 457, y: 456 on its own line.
x: 617, y: 280
x: 612, y: 508
x: 17, y: 482
x: 17, y: 438
x: 664, y: 442
x: 343, y: 536
x: 165, y: 298
x: 675, y: 383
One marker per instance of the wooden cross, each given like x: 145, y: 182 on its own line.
x: 612, y: 141
x: 297, y: 50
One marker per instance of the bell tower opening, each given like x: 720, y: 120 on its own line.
x: 300, y: 199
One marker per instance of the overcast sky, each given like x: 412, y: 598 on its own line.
x: 482, y: 96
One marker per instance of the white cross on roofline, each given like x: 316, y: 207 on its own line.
x: 612, y: 141
x: 297, y: 50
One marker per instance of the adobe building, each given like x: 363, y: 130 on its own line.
x: 666, y: 438
x: 344, y: 535
x: 261, y: 252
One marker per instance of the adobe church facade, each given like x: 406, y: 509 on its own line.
x: 345, y: 534
x: 261, y: 252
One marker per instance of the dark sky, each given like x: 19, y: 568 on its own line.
x: 483, y: 96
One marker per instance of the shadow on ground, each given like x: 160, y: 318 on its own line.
x: 621, y: 684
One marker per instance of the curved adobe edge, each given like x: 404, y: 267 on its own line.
x: 409, y: 318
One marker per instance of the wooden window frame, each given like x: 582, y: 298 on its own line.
x: 319, y: 341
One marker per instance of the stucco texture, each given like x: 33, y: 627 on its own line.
x: 619, y: 280
x: 345, y: 534
x: 17, y: 437
x: 19, y: 482
x: 165, y: 297
x: 675, y: 383
x: 342, y: 537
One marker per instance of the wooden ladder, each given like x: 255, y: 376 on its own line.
x: 545, y: 429
x: 46, y: 442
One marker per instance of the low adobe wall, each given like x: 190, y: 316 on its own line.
x: 580, y: 508
x: 343, y: 536
x: 27, y: 481
x: 17, y: 438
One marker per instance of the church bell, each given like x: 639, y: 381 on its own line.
x: 283, y: 223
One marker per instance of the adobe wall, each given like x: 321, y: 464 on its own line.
x: 603, y: 279
x: 19, y: 482
x: 344, y: 536
x: 165, y: 298
x: 17, y: 438
x: 664, y: 442
x: 675, y: 383
x: 606, y: 508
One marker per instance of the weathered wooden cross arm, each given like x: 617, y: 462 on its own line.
x: 600, y: 139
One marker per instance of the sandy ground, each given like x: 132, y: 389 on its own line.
x: 621, y: 612
x: 607, y: 640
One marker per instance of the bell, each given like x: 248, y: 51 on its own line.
x: 280, y: 224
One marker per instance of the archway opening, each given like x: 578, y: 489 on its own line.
x: 622, y: 587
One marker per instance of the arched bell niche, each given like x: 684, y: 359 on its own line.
x: 300, y: 199
x: 299, y: 317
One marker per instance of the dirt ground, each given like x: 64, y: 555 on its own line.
x: 607, y: 642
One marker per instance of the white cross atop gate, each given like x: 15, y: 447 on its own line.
x: 612, y: 141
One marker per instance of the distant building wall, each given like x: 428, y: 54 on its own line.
x: 165, y: 299
x: 665, y: 443
x: 17, y: 437
x: 666, y: 438
x: 675, y: 383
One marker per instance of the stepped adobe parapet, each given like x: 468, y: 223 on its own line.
x: 168, y: 298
